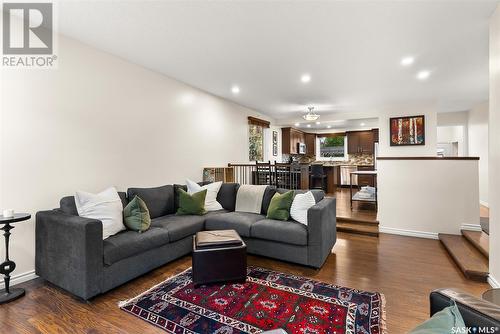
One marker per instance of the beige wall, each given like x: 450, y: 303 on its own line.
x: 98, y: 121
x: 494, y: 148
x: 478, y: 145
x: 416, y: 199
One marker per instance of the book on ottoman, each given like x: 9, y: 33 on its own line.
x: 219, y: 256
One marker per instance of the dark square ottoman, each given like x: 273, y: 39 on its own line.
x: 219, y: 256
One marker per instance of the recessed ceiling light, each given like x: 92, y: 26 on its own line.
x: 297, y: 124
x: 305, y: 78
x: 308, y: 125
x: 235, y: 89
x: 329, y: 126
x: 423, y: 75
x: 362, y: 124
x: 407, y: 61
x: 318, y: 123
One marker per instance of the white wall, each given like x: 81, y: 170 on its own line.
x: 97, y: 121
x: 494, y: 148
x: 453, y: 134
x: 429, y: 149
x: 426, y: 197
x: 478, y: 145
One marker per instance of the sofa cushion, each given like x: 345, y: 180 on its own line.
x: 227, y: 195
x: 179, y: 227
x: 266, y: 200
x: 192, y: 204
x: 290, y: 232
x: 159, y: 200
x: 239, y: 221
x: 136, y: 215
x: 129, y: 243
x: 67, y: 204
x: 317, y: 193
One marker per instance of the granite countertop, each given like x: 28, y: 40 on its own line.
x: 346, y: 163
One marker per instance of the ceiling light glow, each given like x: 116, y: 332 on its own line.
x: 308, y: 125
x: 329, y: 126
x: 407, y: 61
x: 305, y: 78
x: 235, y: 89
x: 423, y: 75
x: 297, y: 124
x: 318, y: 123
x: 362, y: 124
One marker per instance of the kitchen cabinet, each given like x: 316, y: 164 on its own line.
x: 310, y: 144
x: 290, y: 138
x: 360, y: 142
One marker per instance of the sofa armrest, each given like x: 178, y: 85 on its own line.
x: 69, y: 252
x: 476, y: 312
x: 322, y: 230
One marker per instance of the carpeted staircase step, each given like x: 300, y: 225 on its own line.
x: 480, y: 240
x: 357, y: 228
x: 470, y: 261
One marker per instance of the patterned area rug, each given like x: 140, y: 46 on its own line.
x: 267, y: 300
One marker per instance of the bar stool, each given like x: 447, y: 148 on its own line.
x: 318, y: 173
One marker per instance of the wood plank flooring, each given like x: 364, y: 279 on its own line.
x: 480, y: 240
x: 361, y: 219
x: 471, y: 262
x: 360, y: 211
x: 405, y: 269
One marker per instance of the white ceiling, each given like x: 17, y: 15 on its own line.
x: 351, y: 49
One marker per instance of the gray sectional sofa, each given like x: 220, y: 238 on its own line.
x: 71, y: 254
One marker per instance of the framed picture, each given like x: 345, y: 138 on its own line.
x: 275, y: 143
x: 407, y: 131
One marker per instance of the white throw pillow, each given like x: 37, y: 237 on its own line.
x: 301, y: 203
x: 211, y: 203
x: 105, y: 206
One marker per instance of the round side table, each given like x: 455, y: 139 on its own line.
x: 8, y: 266
x: 492, y: 295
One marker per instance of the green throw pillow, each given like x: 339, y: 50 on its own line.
x: 192, y: 204
x: 279, y: 208
x: 442, y: 322
x: 136, y: 215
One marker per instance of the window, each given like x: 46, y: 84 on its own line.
x: 332, y: 147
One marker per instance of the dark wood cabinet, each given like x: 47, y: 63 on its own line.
x: 310, y: 144
x: 366, y: 180
x: 360, y: 142
x: 290, y: 138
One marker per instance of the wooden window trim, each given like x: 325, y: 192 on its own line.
x: 327, y: 135
x: 258, y: 121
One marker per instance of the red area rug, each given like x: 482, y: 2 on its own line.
x: 268, y: 300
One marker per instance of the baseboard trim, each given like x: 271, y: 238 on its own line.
x: 408, y: 233
x: 483, y: 203
x: 471, y: 227
x: 493, y: 282
x: 20, y: 278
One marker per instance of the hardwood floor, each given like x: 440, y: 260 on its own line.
x: 360, y: 211
x: 484, y: 211
x: 404, y: 269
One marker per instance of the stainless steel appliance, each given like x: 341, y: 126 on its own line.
x: 345, y: 175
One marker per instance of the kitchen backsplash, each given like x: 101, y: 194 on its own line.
x: 361, y: 158
x: 354, y: 159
